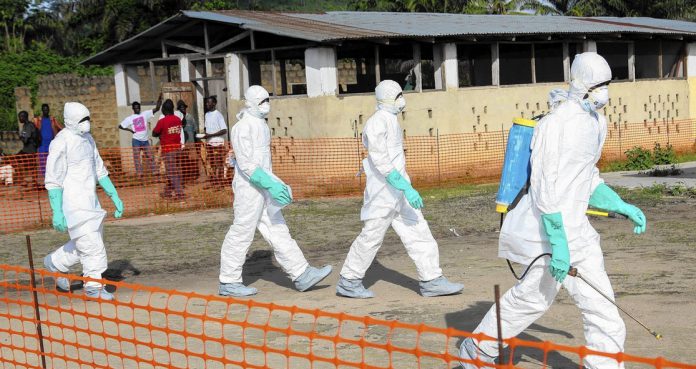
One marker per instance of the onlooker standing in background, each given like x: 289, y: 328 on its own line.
x: 168, y: 129
x: 137, y: 124
x: 215, y: 133
x: 29, y: 134
x: 189, y: 158
x: 31, y: 139
x: 48, y: 128
x: 187, y: 122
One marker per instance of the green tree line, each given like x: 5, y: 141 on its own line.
x: 44, y: 37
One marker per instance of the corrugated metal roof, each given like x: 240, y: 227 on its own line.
x: 346, y: 25
x: 293, y: 25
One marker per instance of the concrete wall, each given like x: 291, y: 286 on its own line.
x: 478, y: 109
x: 97, y: 93
x: 10, y: 142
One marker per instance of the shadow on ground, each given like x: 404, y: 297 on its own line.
x: 469, y: 318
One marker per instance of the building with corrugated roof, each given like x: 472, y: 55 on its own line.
x: 461, y: 73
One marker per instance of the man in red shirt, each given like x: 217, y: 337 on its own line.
x: 168, y: 129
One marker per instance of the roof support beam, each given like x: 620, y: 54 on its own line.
x: 382, y: 41
x: 234, y: 39
x: 205, y: 38
x: 180, y: 45
x: 294, y: 47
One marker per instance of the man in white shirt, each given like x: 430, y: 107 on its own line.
x: 215, y: 133
x: 137, y: 125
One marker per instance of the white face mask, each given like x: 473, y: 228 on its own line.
x: 599, y: 98
x: 83, y: 127
x: 79, y: 128
x: 393, y: 106
x: 400, y: 104
x: 265, y: 108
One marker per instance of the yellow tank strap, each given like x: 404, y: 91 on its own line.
x: 500, y: 208
x: 525, y: 122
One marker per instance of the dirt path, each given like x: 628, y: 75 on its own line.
x: 653, y: 275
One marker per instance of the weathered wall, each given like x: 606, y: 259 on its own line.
x: 10, y: 142
x: 97, y: 93
x: 478, y: 109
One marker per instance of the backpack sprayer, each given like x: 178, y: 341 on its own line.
x: 514, y: 184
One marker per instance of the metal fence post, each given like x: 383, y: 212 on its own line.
x: 437, y: 140
x: 356, y: 134
x: 621, y: 153
x: 37, y: 312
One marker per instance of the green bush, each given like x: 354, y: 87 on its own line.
x: 24, y: 68
x: 638, y: 158
x: 664, y: 156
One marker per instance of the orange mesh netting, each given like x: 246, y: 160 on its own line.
x: 148, y: 327
x: 312, y: 167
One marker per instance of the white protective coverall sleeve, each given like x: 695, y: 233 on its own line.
x: 376, y: 136
x: 243, y: 146
x: 596, y: 179
x: 546, y: 148
x: 56, y: 164
x: 99, y: 167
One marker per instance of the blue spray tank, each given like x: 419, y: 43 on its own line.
x: 516, y: 166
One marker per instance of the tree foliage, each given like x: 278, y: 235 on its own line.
x: 671, y: 9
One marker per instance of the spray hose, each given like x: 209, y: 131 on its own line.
x: 573, y: 272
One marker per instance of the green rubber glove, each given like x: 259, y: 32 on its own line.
x: 396, y: 180
x: 560, y: 255
x: 55, y: 198
x: 605, y: 198
x: 110, y: 191
x: 278, y: 191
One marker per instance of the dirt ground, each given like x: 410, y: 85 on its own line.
x: 654, y: 275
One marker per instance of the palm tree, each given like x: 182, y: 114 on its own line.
x: 500, y: 6
x: 558, y: 7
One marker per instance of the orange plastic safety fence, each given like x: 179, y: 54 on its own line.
x: 149, y: 327
x: 312, y: 167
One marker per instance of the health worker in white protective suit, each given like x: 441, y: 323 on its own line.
x: 566, y: 146
x: 390, y: 200
x: 258, y: 197
x: 73, y: 169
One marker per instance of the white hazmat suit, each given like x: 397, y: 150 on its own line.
x: 75, y: 167
x: 385, y: 206
x: 255, y: 207
x: 566, y: 146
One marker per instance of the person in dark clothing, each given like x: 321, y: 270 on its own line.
x: 29, y: 134
x: 26, y: 163
x: 48, y: 128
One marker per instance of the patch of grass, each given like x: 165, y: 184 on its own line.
x: 639, y: 158
x: 685, y: 157
x: 459, y: 191
x: 653, y: 194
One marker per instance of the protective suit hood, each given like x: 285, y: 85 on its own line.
x: 589, y: 76
x: 390, y: 97
x: 76, y: 117
x: 254, y: 101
